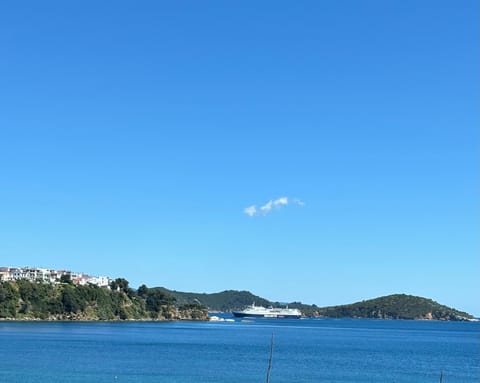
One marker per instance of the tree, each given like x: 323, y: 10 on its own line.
x: 8, y: 300
x: 156, y: 299
x: 119, y: 284
x: 70, y: 300
x: 142, y: 291
x: 66, y: 278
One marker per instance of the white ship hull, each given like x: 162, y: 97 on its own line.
x: 270, y: 312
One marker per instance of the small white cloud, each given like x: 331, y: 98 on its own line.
x: 267, y: 207
x: 250, y: 211
x: 298, y: 202
x: 281, y: 201
x: 278, y: 203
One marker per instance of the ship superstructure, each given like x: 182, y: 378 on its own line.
x: 267, y: 312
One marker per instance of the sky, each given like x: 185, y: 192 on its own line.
x: 316, y: 151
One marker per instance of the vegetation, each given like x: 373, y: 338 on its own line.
x: 224, y: 301
x: 397, y: 306
x: 37, y: 300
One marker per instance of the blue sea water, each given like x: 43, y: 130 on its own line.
x: 310, y: 350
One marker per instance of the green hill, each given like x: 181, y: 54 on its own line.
x: 223, y: 301
x: 36, y: 300
x: 25, y: 300
x: 397, y: 306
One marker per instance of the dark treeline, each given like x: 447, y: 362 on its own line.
x: 23, y: 299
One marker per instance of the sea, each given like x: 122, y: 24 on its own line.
x: 306, y: 350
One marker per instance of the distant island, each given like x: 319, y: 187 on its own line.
x: 60, y: 297
x: 397, y: 306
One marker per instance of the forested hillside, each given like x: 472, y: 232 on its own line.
x: 224, y: 301
x: 397, y: 306
x: 36, y: 300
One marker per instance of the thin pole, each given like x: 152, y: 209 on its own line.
x: 270, y: 360
x: 441, y: 376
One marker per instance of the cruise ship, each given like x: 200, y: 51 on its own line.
x: 267, y: 312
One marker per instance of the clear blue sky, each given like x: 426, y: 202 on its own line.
x: 134, y: 134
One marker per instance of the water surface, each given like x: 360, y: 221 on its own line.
x: 310, y: 350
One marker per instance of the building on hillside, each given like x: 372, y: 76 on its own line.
x: 51, y: 276
x: 5, y: 274
x: 99, y: 281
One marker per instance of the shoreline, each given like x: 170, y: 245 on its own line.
x: 209, y: 319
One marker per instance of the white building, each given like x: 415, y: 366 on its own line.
x: 99, y: 281
x: 51, y: 276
